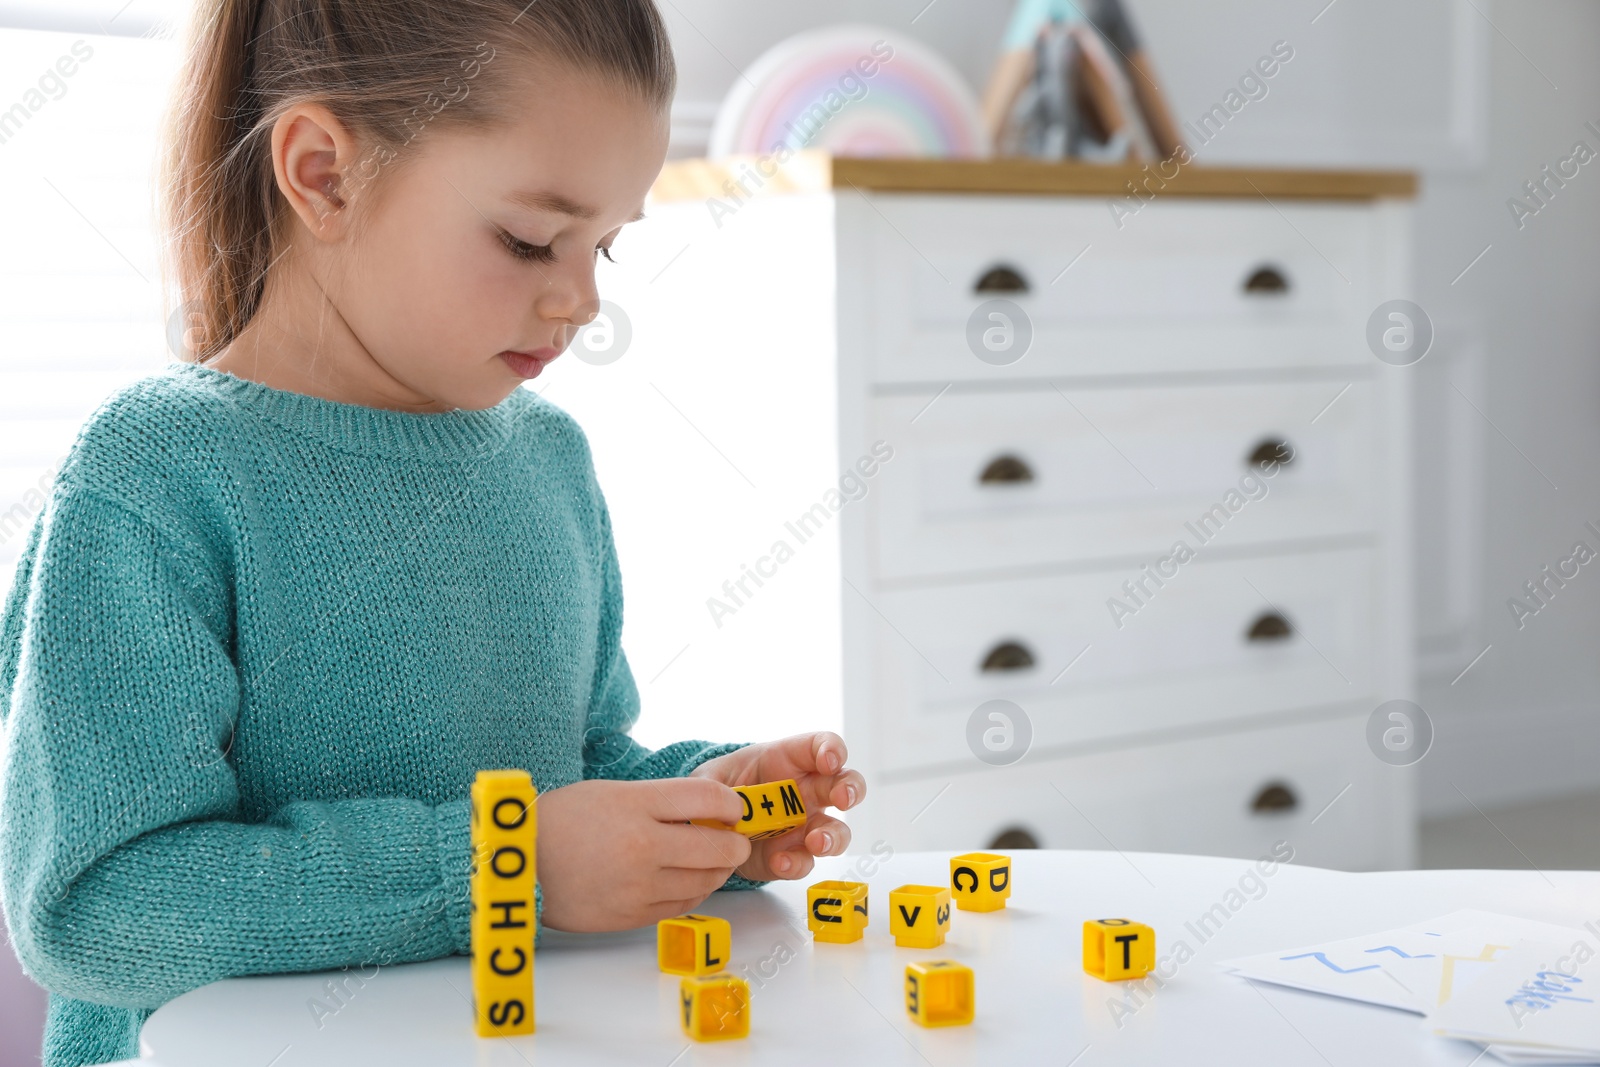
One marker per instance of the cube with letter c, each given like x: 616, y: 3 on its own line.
x: 980, y: 881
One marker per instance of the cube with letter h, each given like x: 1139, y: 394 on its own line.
x: 980, y: 881
x: 919, y: 915
x: 939, y: 993
x: 693, y: 944
x: 1114, y: 949
x: 771, y: 809
x: 836, y: 912
x: 714, y: 1007
x: 504, y: 833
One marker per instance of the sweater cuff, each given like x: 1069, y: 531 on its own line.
x: 710, y: 752
x: 453, y: 820
x: 739, y: 881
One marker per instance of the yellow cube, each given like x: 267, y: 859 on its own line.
x: 714, y: 1007
x: 919, y: 915
x: 980, y: 881
x: 504, y: 834
x: 1114, y: 949
x: 836, y: 912
x: 693, y: 944
x: 940, y: 993
x: 771, y: 809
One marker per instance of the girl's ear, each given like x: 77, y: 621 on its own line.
x: 313, y: 157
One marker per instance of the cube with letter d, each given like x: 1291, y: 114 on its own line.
x: 836, y: 912
x: 980, y: 881
x: 693, y: 944
x: 919, y: 915
x: 1114, y: 949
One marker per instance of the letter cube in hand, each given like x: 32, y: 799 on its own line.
x: 693, y: 944
x: 771, y: 809
x: 714, y: 1007
x: 1114, y: 949
x: 919, y: 915
x: 836, y: 912
x: 939, y: 993
x: 980, y: 881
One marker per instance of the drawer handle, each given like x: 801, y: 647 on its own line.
x: 1001, y: 279
x: 1008, y: 656
x: 1267, y: 280
x: 1270, y: 627
x: 1006, y: 470
x: 1274, y: 799
x: 1014, y: 837
x: 1272, y: 451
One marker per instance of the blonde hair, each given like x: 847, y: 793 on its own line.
x: 387, y: 69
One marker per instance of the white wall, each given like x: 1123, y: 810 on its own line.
x: 1476, y: 95
x: 1522, y: 722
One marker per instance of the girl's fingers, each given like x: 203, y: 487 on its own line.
x: 819, y: 753
x: 682, y: 799
x: 828, y: 752
x: 790, y: 863
x: 842, y: 791
x: 827, y: 836
x: 699, y: 847
x: 677, y: 884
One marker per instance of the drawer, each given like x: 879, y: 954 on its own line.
x: 1183, y: 286
x: 984, y: 480
x: 1233, y: 794
x: 1202, y: 649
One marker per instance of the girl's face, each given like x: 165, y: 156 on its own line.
x: 473, y: 266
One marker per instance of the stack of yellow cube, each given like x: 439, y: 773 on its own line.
x: 504, y: 832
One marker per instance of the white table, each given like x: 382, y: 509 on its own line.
x: 600, y: 999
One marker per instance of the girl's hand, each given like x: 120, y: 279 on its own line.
x: 618, y: 855
x: 816, y: 763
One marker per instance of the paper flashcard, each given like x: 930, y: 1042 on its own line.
x: 1538, y: 999
x: 1414, y: 968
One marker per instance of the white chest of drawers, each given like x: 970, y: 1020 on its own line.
x: 783, y: 338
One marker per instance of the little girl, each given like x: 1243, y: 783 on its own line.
x: 286, y: 600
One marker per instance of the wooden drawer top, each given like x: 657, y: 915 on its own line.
x: 814, y: 171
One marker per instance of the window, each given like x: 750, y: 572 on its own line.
x: 80, y: 285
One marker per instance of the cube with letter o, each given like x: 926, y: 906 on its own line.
x: 771, y: 809
x: 504, y: 831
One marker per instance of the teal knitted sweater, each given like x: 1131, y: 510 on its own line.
x: 258, y: 645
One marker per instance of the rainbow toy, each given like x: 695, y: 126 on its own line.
x: 853, y: 90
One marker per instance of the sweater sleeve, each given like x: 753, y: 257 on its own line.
x: 127, y: 873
